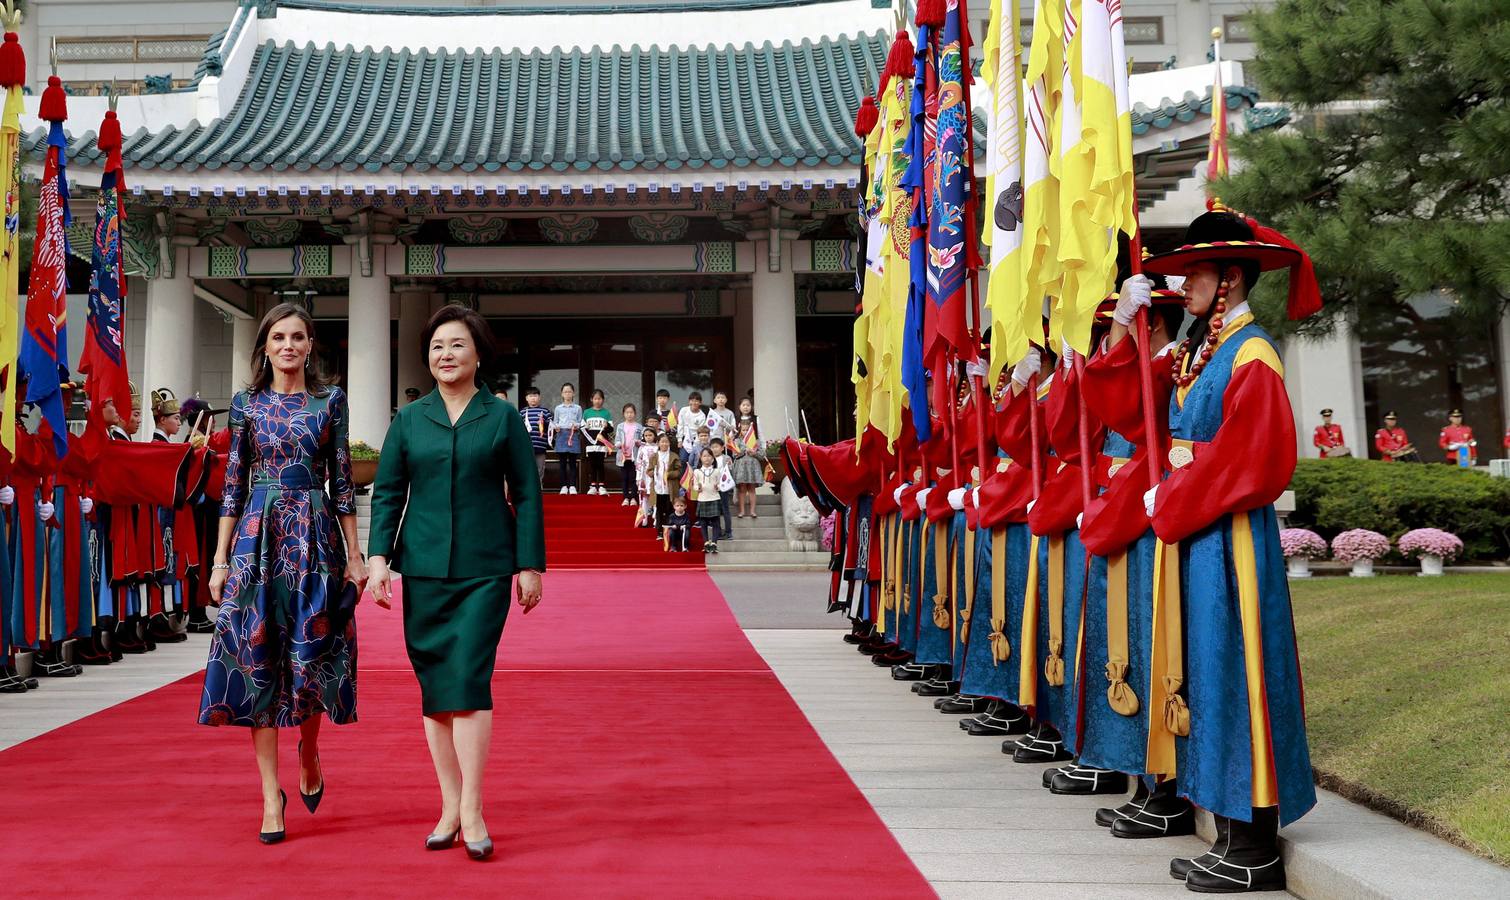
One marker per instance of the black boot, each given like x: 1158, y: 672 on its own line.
x: 104, y: 638
x: 936, y: 687
x: 962, y: 704
x: 1105, y: 816
x: 1042, y: 745
x: 10, y: 682
x: 1049, y: 773
x: 1084, y: 781
x: 1164, y: 815
x: 199, y: 621
x: 90, y: 651
x: 49, y: 664
x: 913, y: 671
x: 126, y: 638
x: 1245, y: 857
x: 1003, y: 719
x: 160, y: 629
x: 892, y: 657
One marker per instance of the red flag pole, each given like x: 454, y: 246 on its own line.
x: 1087, y: 491
x: 1151, y: 437
x: 1035, y: 434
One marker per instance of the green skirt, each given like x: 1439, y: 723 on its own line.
x: 451, y: 629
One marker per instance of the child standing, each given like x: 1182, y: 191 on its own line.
x: 721, y: 418
x: 537, y: 421
x: 663, y: 414
x: 674, y: 533
x: 665, y: 477
x: 725, y: 488
x: 566, y: 425
x: 705, y: 495
x: 644, y: 471
x: 597, y: 424
x: 688, y: 421
x: 749, y: 459
x: 627, y: 442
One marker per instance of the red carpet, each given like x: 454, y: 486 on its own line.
x: 590, y: 532
x: 642, y: 749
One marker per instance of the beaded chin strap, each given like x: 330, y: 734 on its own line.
x: 1213, y: 334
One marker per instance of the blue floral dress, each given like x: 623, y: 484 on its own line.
x: 274, y: 659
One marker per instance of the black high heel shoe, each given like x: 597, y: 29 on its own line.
x: 312, y: 801
x: 273, y: 837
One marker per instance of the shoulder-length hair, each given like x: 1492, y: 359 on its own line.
x: 262, y: 368
x: 476, y: 325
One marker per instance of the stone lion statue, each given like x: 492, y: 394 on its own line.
x: 803, y: 525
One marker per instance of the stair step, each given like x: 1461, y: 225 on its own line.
x: 792, y: 558
x: 746, y: 545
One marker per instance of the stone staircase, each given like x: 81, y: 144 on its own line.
x: 761, y: 543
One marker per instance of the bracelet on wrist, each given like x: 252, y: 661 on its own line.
x: 220, y: 566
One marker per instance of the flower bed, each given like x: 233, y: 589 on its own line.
x: 1359, y: 544
x: 1301, y: 542
x: 1431, y: 542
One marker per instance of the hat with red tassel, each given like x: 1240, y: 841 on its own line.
x: 1222, y: 235
x: 109, y: 140
x: 54, y: 106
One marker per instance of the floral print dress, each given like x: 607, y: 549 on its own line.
x: 274, y: 658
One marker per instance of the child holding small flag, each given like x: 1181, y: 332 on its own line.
x: 704, y: 492
x: 749, y: 462
x: 537, y: 421
x: 627, y: 439
x: 566, y: 423
x: 597, y: 425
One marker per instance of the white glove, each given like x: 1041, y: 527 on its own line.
x: 896, y: 495
x: 975, y: 498
x: 44, y: 510
x: 922, y: 497
x: 7, y: 495
x: 1079, y: 518
x: 1031, y: 504
x: 1148, y: 500
x: 1136, y: 294
x: 957, y: 498
x: 1066, y: 354
x: 975, y: 369
x: 86, y: 505
x: 1027, y: 367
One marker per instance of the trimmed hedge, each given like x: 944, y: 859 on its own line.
x: 1334, y: 495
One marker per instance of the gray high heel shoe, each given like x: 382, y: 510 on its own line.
x: 442, y: 841
x: 479, y: 850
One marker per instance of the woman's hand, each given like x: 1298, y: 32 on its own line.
x: 528, y: 589
x: 380, y: 581
x: 356, y: 572
x: 218, y: 578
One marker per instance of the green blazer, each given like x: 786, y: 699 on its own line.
x: 451, y: 488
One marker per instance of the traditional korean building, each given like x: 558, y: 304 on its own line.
x: 637, y: 195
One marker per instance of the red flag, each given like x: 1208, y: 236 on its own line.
x: 44, y: 341
x: 104, y: 357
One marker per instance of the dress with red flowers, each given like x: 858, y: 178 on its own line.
x: 275, y: 660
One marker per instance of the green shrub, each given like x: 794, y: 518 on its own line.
x: 1333, y: 495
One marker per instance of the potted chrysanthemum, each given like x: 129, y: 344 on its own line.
x: 1300, y: 546
x: 1360, y: 547
x: 1432, y: 546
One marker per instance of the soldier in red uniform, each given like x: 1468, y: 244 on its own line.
x: 1328, y: 437
x: 1457, y: 438
x: 1391, y: 441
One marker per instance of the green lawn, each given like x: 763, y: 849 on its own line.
x: 1408, y: 697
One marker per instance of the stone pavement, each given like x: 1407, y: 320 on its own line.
x: 978, y: 825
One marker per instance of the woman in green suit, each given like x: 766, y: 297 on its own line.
x: 457, y: 469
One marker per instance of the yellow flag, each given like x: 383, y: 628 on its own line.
x: 1012, y: 315
x: 888, y: 395
x: 1045, y: 82
x: 1096, y: 175
x: 10, y: 260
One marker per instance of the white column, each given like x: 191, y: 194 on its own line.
x: 773, y: 323
x: 1327, y: 372
x: 243, y: 333
x: 170, y: 351
x: 413, y: 313
x: 744, y: 346
x: 369, y: 346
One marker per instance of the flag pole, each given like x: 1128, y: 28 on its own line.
x: 972, y: 242
x: 1035, y: 434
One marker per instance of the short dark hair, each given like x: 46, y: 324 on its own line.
x: 663, y: 393
x: 718, y: 441
x: 649, y: 417
x: 694, y: 396
x: 598, y: 392
x: 568, y: 384
x: 627, y: 406
x: 477, y: 327
x: 532, y: 390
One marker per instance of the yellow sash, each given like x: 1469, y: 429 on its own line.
x: 1053, y: 664
x: 943, y: 616
x: 969, y: 599
x: 1168, y: 715
x: 1119, y: 695
x: 1001, y: 647
x: 1028, y: 646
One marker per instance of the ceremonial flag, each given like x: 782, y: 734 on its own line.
x: 44, y: 344
x: 1216, y: 150
x: 670, y: 423
x: 950, y: 255
x: 1009, y: 306
x: 1096, y: 178
x: 1040, y: 265
x: 12, y: 77
x: 751, y: 440
x: 104, y: 357
x: 915, y: 183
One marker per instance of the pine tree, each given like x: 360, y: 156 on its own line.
x: 1396, y: 178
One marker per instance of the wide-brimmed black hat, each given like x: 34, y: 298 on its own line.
x: 1221, y: 235
x: 1327, y: 411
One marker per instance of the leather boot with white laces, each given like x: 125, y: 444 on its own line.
x: 1042, y: 745
x: 1005, y: 719
x: 1244, y: 859
x: 1048, y: 774
x: 962, y: 704
x: 1105, y: 816
x: 936, y: 687
x: 1164, y: 815
x: 913, y: 672
x: 1083, y: 781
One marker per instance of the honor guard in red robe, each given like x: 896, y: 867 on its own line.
x: 1327, y: 437
x: 1391, y: 441
x: 1457, y: 439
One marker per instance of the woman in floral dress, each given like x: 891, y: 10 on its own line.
x: 283, y: 653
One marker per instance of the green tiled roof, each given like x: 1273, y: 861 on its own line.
x: 594, y: 9
x: 321, y: 108
x: 1171, y: 112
